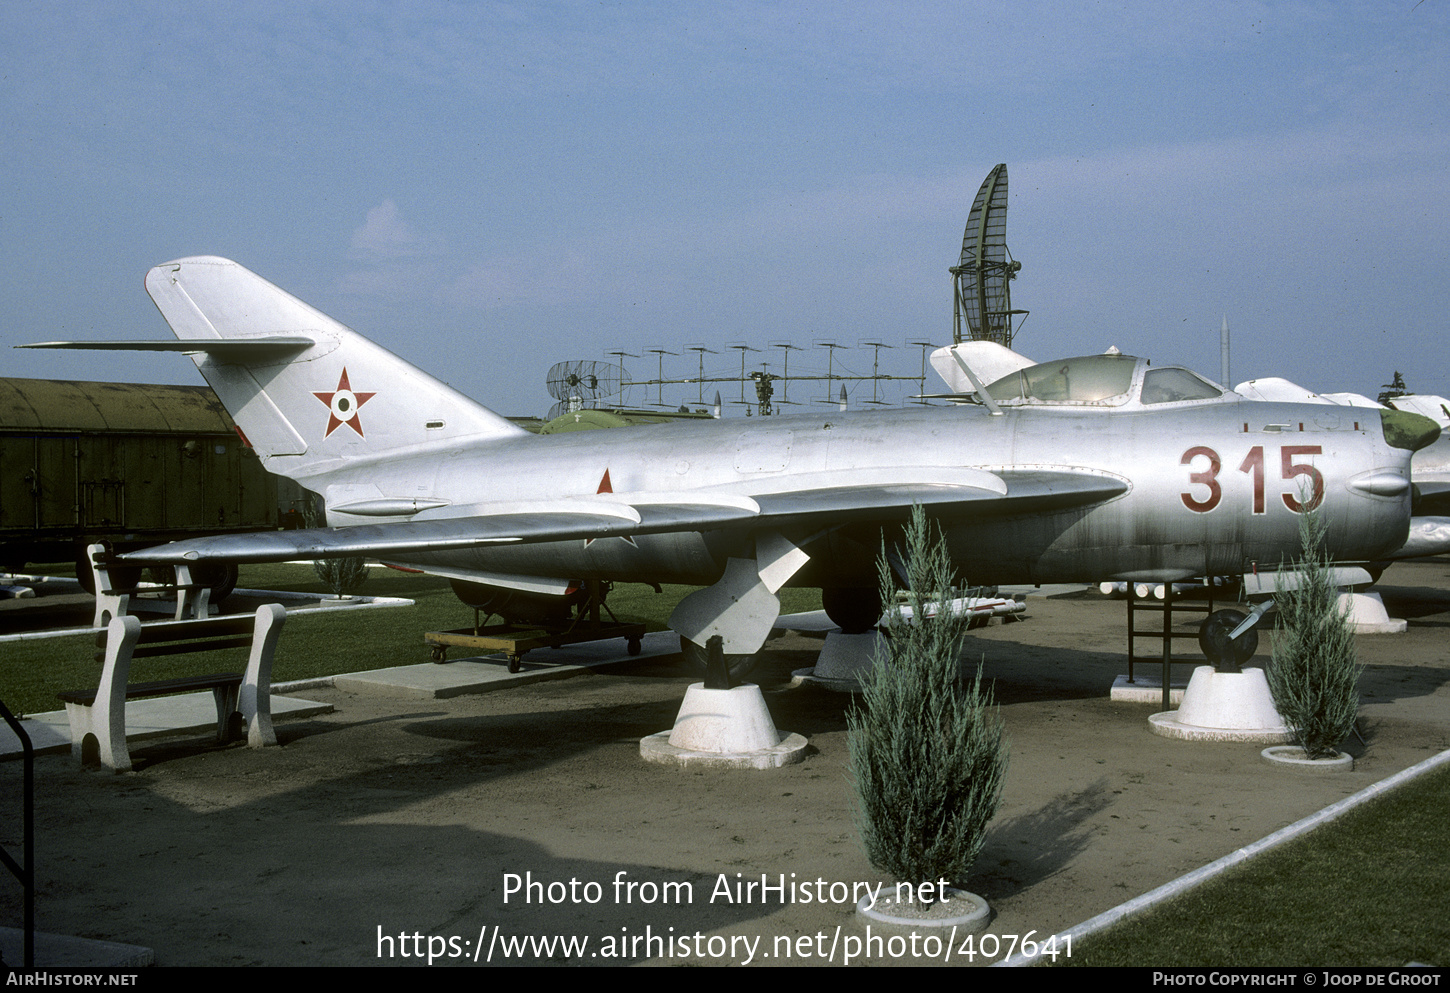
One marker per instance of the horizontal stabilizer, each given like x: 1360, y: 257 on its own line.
x: 228, y: 350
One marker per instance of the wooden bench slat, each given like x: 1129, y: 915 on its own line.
x: 176, y: 630
x: 139, y: 590
x: 182, y: 648
x: 215, y: 627
x: 160, y: 687
x: 186, y: 647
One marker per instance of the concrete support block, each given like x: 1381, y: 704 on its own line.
x: 1224, y: 706
x: 1368, y: 615
x: 728, y: 728
x: 842, y: 660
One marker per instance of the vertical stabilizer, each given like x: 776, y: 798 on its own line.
x: 307, y: 389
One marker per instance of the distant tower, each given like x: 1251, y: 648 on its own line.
x: 981, y: 282
x: 1223, y: 353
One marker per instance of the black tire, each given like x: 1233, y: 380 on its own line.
x: 84, y: 576
x: 1225, y: 655
x: 125, y: 578
x: 122, y: 577
x: 739, y: 666
x: 219, y: 577
x: 854, y: 609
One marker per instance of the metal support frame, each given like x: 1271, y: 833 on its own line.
x: 1166, y: 632
x: 24, y: 871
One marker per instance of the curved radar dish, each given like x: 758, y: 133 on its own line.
x: 983, y: 297
x: 582, y: 383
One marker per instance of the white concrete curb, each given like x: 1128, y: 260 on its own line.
x: 1185, y: 883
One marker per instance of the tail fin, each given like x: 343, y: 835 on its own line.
x: 304, y: 388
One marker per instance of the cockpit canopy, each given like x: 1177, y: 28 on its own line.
x: 1101, y: 381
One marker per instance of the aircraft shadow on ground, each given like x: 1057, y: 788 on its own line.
x: 325, y: 870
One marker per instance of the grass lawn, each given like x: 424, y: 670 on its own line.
x: 312, y: 645
x: 1369, y: 889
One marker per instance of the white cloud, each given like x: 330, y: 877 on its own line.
x: 385, y: 235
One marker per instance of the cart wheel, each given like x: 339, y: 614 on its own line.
x: 634, y: 645
x: 514, y: 663
x: 439, y: 653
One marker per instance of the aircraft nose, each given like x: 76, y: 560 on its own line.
x: 1403, y: 429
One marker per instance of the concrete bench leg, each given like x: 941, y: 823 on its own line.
x: 256, y: 695
x: 105, y: 719
x: 108, y: 605
x: 190, y: 603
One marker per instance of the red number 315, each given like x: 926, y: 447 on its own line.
x: 1253, y: 465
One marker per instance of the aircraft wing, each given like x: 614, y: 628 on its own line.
x: 804, y: 500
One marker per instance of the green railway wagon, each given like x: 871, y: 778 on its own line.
x: 126, y: 463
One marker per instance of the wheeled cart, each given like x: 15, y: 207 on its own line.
x: 517, y: 639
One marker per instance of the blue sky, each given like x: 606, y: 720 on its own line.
x: 490, y: 188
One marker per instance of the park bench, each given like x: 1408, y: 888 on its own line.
x: 98, y: 717
x: 114, y: 592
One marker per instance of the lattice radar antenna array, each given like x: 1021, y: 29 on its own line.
x: 581, y: 384
x: 981, y: 282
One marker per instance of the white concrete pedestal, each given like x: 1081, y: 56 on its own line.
x: 725, y: 728
x: 1146, y: 688
x: 1224, y: 706
x: 842, y: 660
x: 1368, y: 615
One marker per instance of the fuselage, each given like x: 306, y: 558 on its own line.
x: 1212, y: 487
x: 1078, y: 469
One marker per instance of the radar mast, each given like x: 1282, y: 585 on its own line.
x: 982, y: 281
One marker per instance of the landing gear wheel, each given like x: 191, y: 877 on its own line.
x: 1227, y: 656
x: 514, y: 663
x: 739, y: 666
x: 126, y: 578
x: 122, y: 577
x: 84, y: 576
x: 220, y: 577
x: 634, y: 645
x: 854, y: 610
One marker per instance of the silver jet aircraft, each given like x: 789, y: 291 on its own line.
x: 1065, y: 471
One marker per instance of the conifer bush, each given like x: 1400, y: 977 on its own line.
x: 343, y: 576
x: 928, y: 755
x: 1314, y: 670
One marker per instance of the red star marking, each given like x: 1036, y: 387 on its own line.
x: 606, y: 487
x: 343, y: 405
